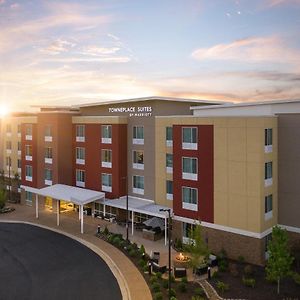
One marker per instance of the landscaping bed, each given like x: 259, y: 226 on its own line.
x: 6, y: 210
x: 244, y: 281
x: 158, y: 283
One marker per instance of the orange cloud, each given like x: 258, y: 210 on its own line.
x: 272, y: 3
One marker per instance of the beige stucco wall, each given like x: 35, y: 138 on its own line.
x: 239, y: 159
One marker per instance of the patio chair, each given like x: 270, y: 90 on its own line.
x: 179, y: 272
x: 155, y: 256
x: 157, y: 268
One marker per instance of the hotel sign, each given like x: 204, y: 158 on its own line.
x: 134, y: 111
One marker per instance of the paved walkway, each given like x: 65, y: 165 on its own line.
x: 209, y: 290
x: 131, y: 282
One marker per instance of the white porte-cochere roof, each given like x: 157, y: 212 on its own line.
x: 67, y: 193
x: 139, y: 205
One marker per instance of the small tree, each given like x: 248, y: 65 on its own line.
x: 280, y: 260
x: 197, y: 247
x: 2, y: 198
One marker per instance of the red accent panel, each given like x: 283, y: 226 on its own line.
x: 32, y: 163
x: 204, y: 184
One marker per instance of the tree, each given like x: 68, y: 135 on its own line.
x: 197, y: 247
x: 2, y: 198
x: 280, y: 260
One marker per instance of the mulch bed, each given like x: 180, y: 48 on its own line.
x: 6, y: 210
x: 263, y: 289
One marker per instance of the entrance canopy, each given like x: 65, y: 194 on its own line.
x: 67, y: 193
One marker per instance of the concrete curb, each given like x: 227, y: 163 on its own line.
x: 111, y: 264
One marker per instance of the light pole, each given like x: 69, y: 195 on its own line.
x: 127, y: 227
x: 169, y: 236
x: 9, y: 177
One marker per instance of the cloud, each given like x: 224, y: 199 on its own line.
x: 273, y: 3
x: 116, y: 59
x: 2, y: 2
x: 99, y: 51
x: 58, y: 47
x: 15, y: 6
x: 267, y: 49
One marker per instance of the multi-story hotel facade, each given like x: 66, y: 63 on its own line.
x: 233, y: 167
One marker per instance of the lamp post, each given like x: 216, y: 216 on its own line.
x: 127, y: 227
x: 169, y: 241
x: 9, y: 177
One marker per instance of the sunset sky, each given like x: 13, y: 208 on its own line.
x: 71, y: 52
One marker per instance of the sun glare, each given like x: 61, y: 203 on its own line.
x: 3, y: 110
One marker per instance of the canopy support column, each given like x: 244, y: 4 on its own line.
x: 37, y: 206
x: 79, y: 211
x: 104, y: 210
x: 81, y: 219
x: 57, y: 211
x: 165, y: 231
x: 132, y: 222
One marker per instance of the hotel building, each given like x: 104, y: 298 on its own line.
x: 234, y: 167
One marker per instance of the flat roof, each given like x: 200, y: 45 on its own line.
x: 107, y: 102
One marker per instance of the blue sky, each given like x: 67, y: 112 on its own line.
x: 70, y: 52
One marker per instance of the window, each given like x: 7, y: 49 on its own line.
x: 28, y: 132
x: 80, y: 155
x: 268, y: 140
x: 138, y: 184
x: 187, y: 231
x: 106, y: 156
x: 189, y: 138
x: 48, y: 133
x: 189, y: 168
x: 268, y: 173
x: 106, y: 182
x: 48, y: 155
x: 48, y: 176
x: 19, y: 146
x: 268, y: 239
x: 189, y: 198
x: 28, y: 198
x: 19, y: 129
x: 28, y: 173
x: 8, y: 161
x: 106, y: 134
x: 268, y: 207
x: 169, y: 163
x: 169, y: 189
x: 8, y: 128
x: 80, y: 178
x: 8, y: 146
x: 138, y: 135
x: 138, y: 160
x: 19, y: 164
x: 169, y: 136
x: 80, y: 133
x: 28, y: 152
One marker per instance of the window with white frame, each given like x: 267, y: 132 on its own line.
x: 80, y: 133
x: 28, y: 152
x: 28, y: 198
x: 80, y: 155
x: 28, y: 132
x: 106, y: 180
x: 106, y: 132
x: 268, y: 140
x: 80, y: 178
x: 28, y: 173
x: 48, y: 133
x: 48, y: 155
x: 169, y: 189
x: 189, y: 138
x: 169, y: 163
x: 48, y: 176
x: 138, y: 159
x: 138, y: 135
x: 19, y: 164
x: 268, y: 173
x: 268, y: 239
x: 189, y: 168
x: 268, y: 207
x: 19, y: 146
x: 190, y: 198
x: 8, y: 146
x: 187, y: 230
x: 106, y: 158
x: 169, y: 136
x: 138, y: 184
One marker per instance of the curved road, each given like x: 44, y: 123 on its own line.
x: 37, y: 264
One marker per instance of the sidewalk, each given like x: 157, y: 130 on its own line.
x: 132, y: 283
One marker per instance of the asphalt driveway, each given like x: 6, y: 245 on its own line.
x: 38, y: 264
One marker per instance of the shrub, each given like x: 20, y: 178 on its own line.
x: 215, y: 274
x: 132, y: 253
x: 142, y: 263
x: 116, y: 241
x: 249, y: 282
x: 110, y: 237
x: 145, y: 268
x: 122, y: 244
x: 142, y: 250
x: 241, y: 259
x: 135, y: 246
x: 153, y: 279
x: 173, y: 298
x: 2, y: 198
x: 182, y: 287
x: 222, y: 255
x: 223, y: 265
x: 248, y: 270
x: 222, y: 287
x: 296, y: 278
x: 158, y: 296
x: 158, y: 275
x: 165, y: 283
x: 106, y: 231
x: 172, y: 278
x: 199, y: 291
x: 178, y: 244
x: 197, y: 298
x: 172, y: 293
x: 155, y: 287
x: 184, y: 279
